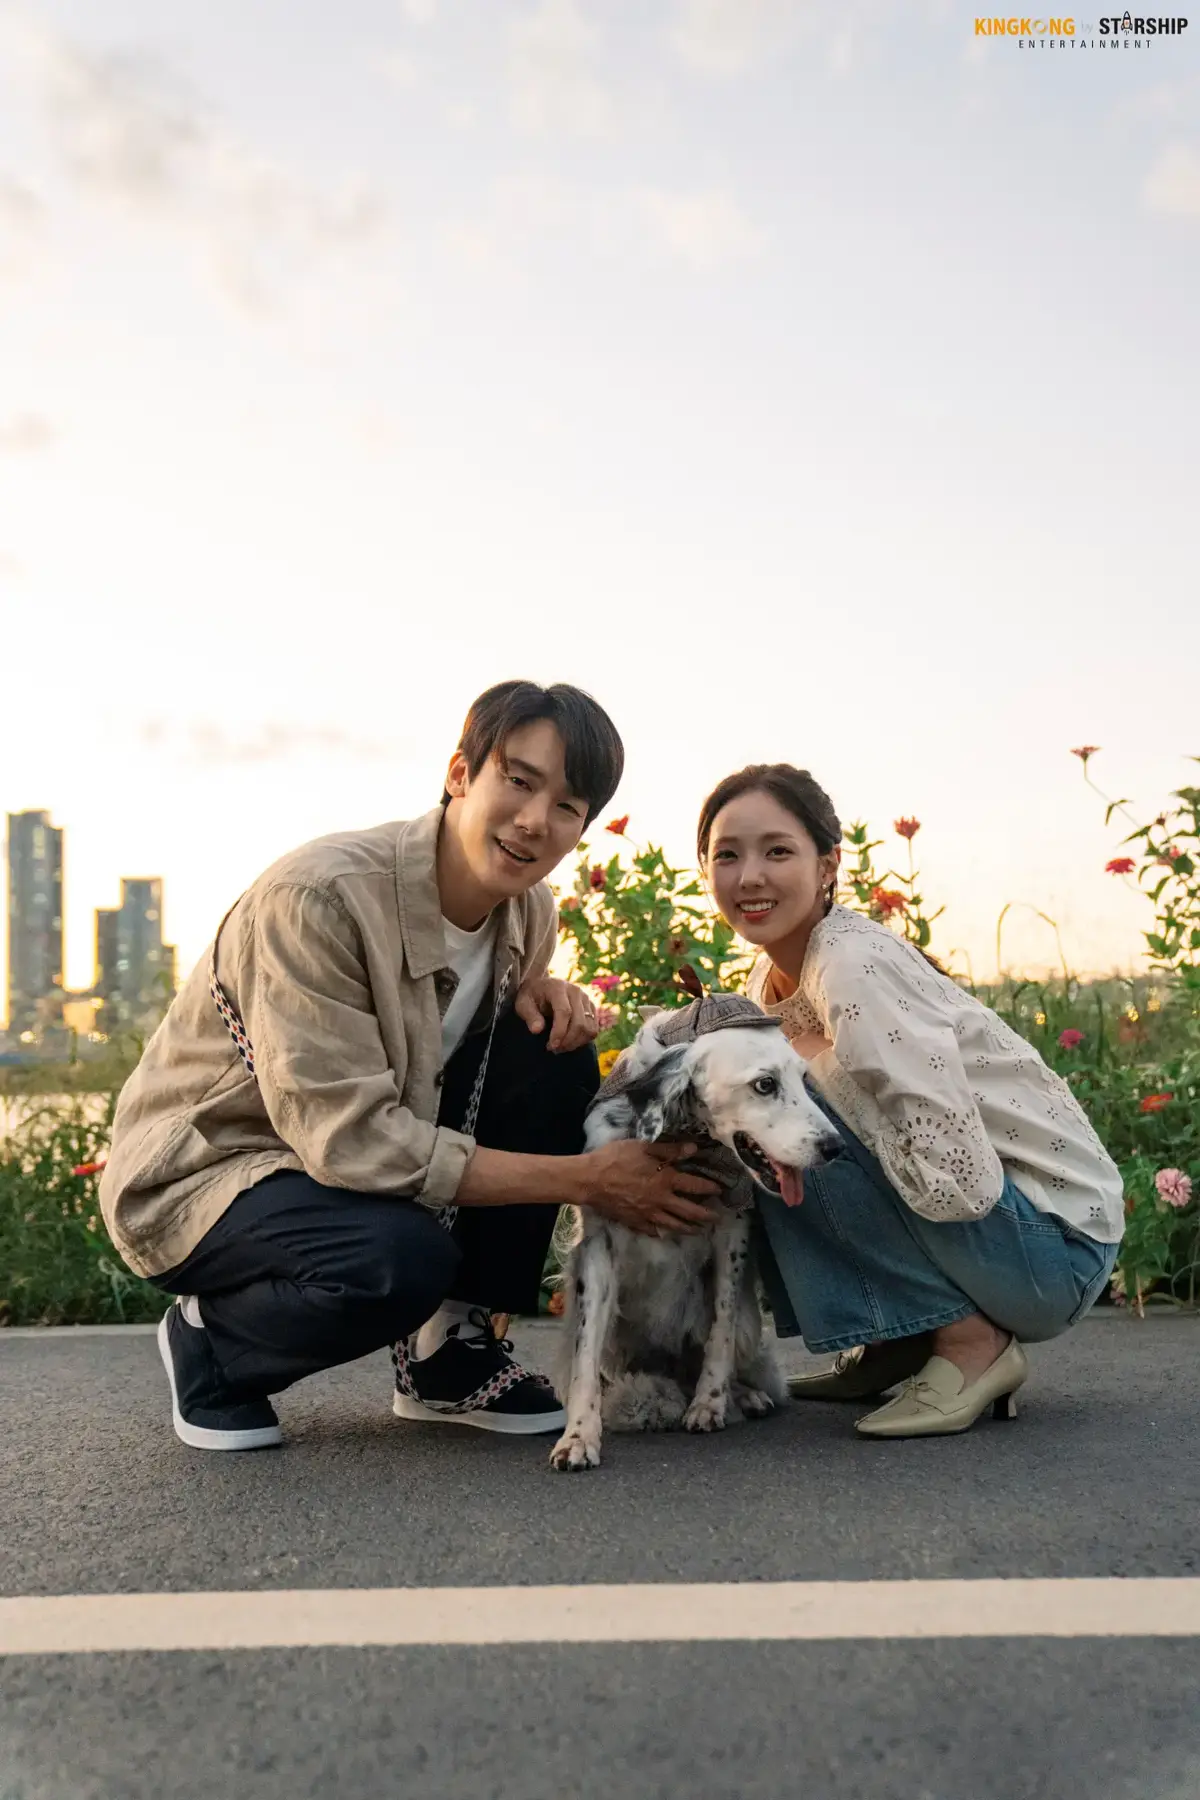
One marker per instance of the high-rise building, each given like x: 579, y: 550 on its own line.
x: 35, y: 922
x: 135, y: 970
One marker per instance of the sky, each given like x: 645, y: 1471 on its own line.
x: 808, y: 380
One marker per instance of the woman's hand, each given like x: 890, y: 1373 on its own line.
x: 571, y: 1011
x: 637, y: 1184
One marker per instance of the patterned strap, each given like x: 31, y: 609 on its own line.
x: 445, y: 1215
x: 497, y: 1384
x: 448, y: 1214
x: 230, y: 1014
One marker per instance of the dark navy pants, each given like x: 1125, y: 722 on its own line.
x: 296, y: 1277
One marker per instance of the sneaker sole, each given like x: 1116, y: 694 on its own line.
x: 512, y: 1424
x: 204, y: 1437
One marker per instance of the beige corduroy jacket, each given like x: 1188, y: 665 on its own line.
x: 336, y: 962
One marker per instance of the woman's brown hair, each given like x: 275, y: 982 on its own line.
x: 795, y: 790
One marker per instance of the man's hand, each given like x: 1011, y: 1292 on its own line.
x: 637, y: 1184
x: 572, y: 1013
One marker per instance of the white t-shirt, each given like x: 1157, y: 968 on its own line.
x: 471, y: 955
x: 946, y: 1095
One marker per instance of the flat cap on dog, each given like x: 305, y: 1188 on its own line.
x: 715, y: 1012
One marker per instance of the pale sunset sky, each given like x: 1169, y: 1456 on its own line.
x: 809, y: 380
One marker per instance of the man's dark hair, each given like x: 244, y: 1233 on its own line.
x: 592, y: 750
x: 796, y: 791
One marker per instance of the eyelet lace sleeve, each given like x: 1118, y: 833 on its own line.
x: 894, y: 1036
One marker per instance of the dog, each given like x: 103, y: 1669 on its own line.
x: 661, y: 1333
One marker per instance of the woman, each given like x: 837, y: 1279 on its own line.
x: 972, y: 1207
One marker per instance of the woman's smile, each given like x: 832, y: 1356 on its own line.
x: 755, y: 909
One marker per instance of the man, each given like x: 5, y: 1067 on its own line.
x: 373, y: 1039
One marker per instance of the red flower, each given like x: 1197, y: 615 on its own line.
x: 907, y: 828
x: 597, y: 876
x: 1156, y: 1102
x: 888, y: 900
x: 617, y: 826
x: 570, y: 904
x: 1070, y: 1039
x: 1171, y: 854
x: 92, y: 1168
x: 1120, y: 865
x: 1086, y: 750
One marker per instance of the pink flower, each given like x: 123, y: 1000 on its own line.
x: 606, y: 983
x: 596, y: 878
x: 1086, y: 750
x: 907, y: 828
x: 1070, y: 1039
x: 1171, y: 854
x: 606, y: 1017
x: 617, y: 826
x: 1120, y: 865
x: 1174, y: 1186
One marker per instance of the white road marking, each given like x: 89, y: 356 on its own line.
x: 714, y: 1612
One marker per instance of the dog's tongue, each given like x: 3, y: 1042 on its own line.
x: 791, y: 1185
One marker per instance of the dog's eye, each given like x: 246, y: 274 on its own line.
x: 765, y: 1084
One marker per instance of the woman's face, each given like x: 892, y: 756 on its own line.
x: 767, y: 875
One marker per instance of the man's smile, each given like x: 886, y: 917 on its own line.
x: 514, y: 855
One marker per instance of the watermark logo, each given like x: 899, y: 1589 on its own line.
x: 1127, y: 32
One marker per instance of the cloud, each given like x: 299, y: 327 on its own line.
x: 120, y: 123
x: 134, y: 138
x: 521, y: 210
x: 213, y: 745
x: 399, y: 70
x: 421, y: 12
x: 21, y: 218
x: 1173, y: 184
x: 1162, y: 100
x: 706, y: 228
x: 26, y: 433
x: 726, y: 37
x: 554, y: 86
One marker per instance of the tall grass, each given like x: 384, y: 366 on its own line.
x: 57, y: 1266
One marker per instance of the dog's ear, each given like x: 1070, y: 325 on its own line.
x: 660, y: 1097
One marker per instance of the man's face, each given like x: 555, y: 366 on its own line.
x: 518, y: 818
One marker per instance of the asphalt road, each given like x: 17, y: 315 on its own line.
x: 1098, y: 1477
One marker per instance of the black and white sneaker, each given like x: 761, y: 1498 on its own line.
x: 205, y: 1414
x: 473, y: 1380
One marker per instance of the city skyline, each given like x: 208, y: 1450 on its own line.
x: 134, y: 968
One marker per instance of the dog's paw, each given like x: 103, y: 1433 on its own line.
x: 755, y: 1404
x: 706, y: 1413
x: 574, y: 1451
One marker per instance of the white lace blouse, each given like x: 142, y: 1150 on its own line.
x: 938, y: 1087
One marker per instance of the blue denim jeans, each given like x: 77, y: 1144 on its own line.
x: 855, y: 1265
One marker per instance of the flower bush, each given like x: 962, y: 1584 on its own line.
x: 1168, y: 872
x: 865, y: 888
x: 633, y: 924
